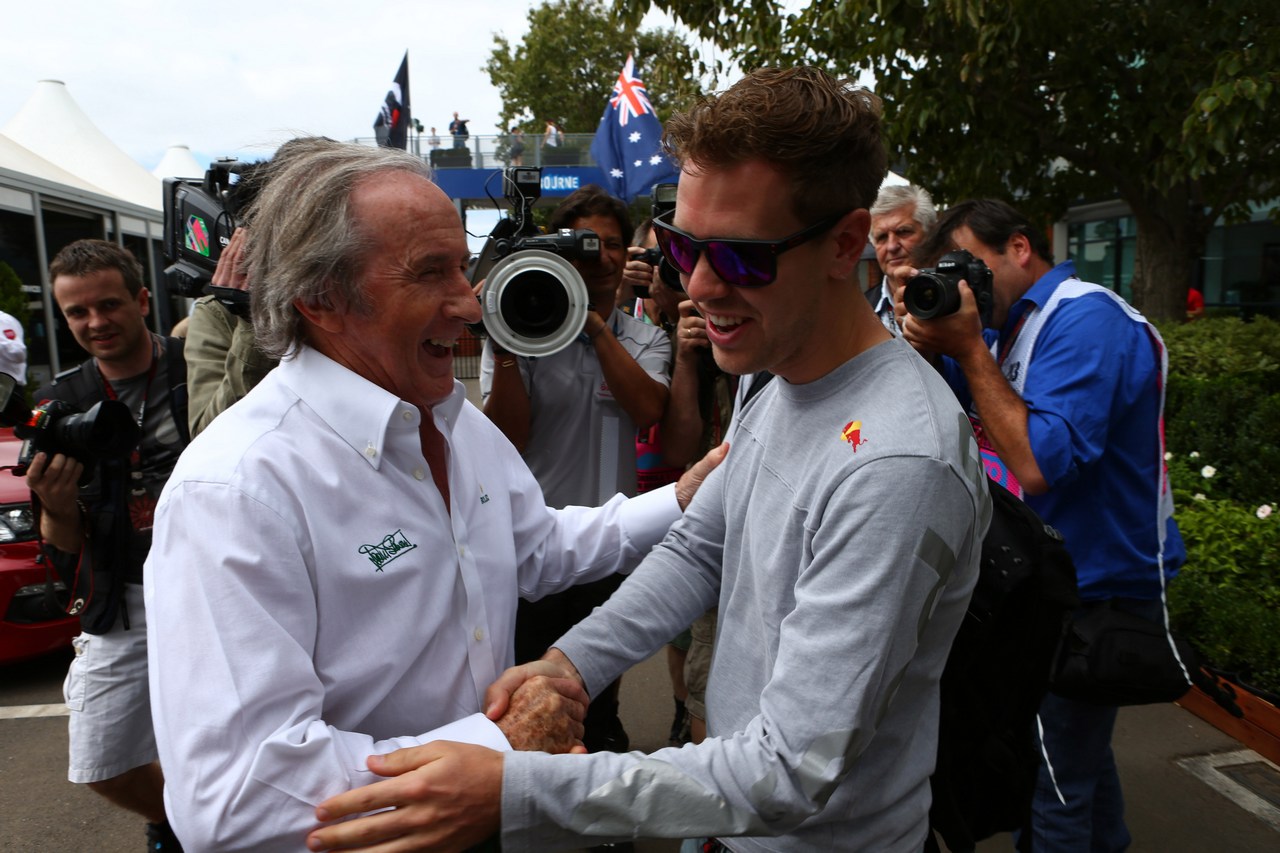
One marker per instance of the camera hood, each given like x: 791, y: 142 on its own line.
x: 534, y: 303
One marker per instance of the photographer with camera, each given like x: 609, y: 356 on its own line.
x: 97, y: 527
x: 1065, y: 385
x: 574, y: 415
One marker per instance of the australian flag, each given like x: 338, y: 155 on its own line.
x: 392, y: 124
x: 627, y: 146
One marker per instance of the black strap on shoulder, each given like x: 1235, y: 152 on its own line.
x: 176, y: 369
x: 758, y: 381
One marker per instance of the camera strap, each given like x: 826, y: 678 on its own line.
x: 110, y: 391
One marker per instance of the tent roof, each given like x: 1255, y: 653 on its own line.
x: 178, y: 162
x: 52, y: 126
x: 18, y: 159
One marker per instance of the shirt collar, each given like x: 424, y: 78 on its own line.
x: 1038, y: 294
x: 355, y: 408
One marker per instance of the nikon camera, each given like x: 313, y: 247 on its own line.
x: 936, y: 292
x: 534, y: 302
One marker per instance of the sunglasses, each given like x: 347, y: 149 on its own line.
x: 741, y: 263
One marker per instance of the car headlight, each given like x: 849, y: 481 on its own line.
x: 17, y: 524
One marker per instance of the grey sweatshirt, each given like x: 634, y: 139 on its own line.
x: 840, y: 540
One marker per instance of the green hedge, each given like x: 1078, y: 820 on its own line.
x: 1222, y: 425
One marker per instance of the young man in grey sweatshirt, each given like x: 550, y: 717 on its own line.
x: 839, y: 539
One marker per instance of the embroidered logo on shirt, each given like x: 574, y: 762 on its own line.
x: 391, y: 546
x: 852, y: 433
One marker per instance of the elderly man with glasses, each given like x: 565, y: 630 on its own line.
x: 840, y: 538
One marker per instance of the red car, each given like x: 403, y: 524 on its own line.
x: 27, y: 629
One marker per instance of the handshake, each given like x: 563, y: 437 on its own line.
x: 540, y: 706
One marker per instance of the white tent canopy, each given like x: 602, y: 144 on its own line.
x: 178, y: 163
x: 52, y: 126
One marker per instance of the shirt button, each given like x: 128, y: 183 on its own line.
x: 419, y: 474
x: 479, y: 635
x: 407, y: 415
x: 371, y: 451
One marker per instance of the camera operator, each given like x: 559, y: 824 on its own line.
x: 1066, y: 388
x: 574, y: 415
x: 97, y: 536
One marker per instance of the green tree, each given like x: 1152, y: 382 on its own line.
x: 565, y: 67
x: 1161, y: 102
x: 13, y: 299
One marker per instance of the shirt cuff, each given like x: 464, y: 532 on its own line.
x: 647, y: 517
x: 476, y: 729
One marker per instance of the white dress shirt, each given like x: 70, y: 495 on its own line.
x: 312, y: 602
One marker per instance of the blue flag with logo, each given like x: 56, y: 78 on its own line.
x: 627, y: 144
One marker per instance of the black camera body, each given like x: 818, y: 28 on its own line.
x: 107, y: 430
x: 198, y: 224
x: 534, y: 302
x: 664, y: 201
x: 935, y: 292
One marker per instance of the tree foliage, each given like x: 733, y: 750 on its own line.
x: 1169, y: 105
x: 565, y: 67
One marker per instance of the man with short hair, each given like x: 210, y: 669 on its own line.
x: 347, y: 542
x: 840, y: 537
x: 900, y: 217
x: 1066, y: 389
x: 98, y: 535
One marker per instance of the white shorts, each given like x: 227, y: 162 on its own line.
x: 109, y: 699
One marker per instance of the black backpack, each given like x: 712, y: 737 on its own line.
x: 996, y: 676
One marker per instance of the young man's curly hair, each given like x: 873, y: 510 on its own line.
x: 823, y: 131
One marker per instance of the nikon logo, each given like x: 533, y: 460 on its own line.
x: 392, y: 545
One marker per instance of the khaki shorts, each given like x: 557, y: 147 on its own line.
x: 109, y: 699
x: 697, y: 663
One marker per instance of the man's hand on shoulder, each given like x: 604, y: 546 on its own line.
x: 690, y: 481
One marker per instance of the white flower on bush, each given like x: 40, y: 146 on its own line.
x: 1195, y: 454
x: 1264, y: 511
x: 1208, y: 471
x: 1199, y: 496
x: 1168, y: 456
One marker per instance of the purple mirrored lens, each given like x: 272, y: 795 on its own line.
x: 679, y: 249
x: 741, y: 264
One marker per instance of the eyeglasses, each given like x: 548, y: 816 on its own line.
x: 741, y: 263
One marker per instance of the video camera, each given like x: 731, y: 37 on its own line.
x: 664, y: 201
x: 106, y: 430
x: 936, y: 292
x: 198, y: 224
x: 534, y: 302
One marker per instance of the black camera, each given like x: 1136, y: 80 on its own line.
x: 664, y: 201
x: 106, y: 430
x: 936, y: 292
x: 534, y: 302
x: 199, y: 220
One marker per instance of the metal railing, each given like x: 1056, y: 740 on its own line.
x: 494, y: 152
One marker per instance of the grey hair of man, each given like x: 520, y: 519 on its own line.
x: 306, y: 248
x: 892, y: 197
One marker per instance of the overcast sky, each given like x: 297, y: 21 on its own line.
x: 234, y: 78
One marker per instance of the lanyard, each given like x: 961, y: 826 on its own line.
x: 146, y: 392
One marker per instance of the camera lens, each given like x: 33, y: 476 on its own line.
x: 929, y: 295
x: 535, y: 304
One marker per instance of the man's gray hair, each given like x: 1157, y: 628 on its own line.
x: 304, y: 246
x: 892, y: 197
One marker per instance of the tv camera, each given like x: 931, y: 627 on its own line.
x: 534, y: 303
x: 199, y: 219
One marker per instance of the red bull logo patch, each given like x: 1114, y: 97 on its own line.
x: 852, y: 433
